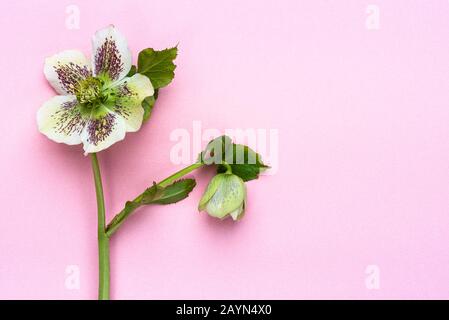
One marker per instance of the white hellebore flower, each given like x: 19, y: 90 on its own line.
x: 97, y: 104
x: 224, y: 196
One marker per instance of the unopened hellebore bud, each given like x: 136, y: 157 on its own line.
x: 225, y: 196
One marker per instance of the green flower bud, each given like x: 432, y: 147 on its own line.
x: 224, y: 196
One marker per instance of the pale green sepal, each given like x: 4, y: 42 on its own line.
x: 210, y: 191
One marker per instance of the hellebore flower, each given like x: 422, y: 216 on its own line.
x: 224, y: 196
x: 97, y: 103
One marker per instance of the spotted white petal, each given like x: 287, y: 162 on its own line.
x: 130, y: 93
x: 100, y: 132
x: 111, y: 57
x: 66, y: 69
x: 60, y: 120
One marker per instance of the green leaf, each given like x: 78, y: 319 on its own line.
x: 173, y: 193
x: 132, y: 71
x: 244, y: 162
x: 148, y: 195
x: 155, y: 194
x: 148, y: 104
x: 158, y: 66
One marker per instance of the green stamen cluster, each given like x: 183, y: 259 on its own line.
x: 89, y: 92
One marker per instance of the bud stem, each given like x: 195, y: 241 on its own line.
x: 118, y: 220
x: 228, y: 168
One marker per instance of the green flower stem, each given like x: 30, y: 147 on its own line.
x: 103, y: 240
x: 181, y: 173
x: 130, y: 206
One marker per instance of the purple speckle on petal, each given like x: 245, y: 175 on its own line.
x: 99, y: 129
x: 70, y: 74
x: 108, y: 59
x: 68, y: 119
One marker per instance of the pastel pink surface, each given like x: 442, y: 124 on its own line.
x: 362, y: 174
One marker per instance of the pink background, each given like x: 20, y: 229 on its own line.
x: 362, y: 179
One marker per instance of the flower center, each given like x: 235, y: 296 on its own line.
x: 89, y: 91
